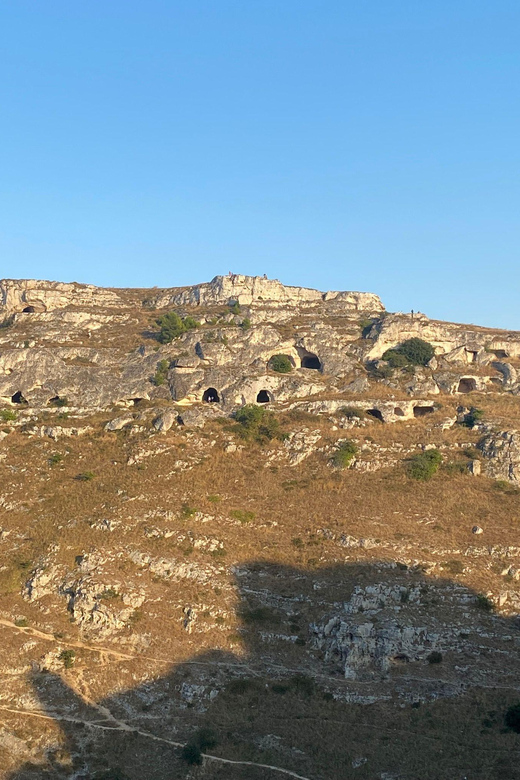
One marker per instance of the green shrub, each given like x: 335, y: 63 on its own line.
x: 234, y: 307
x: 192, y: 754
x: 55, y: 458
x: 513, y: 718
x: 281, y: 364
x: 384, y: 371
x: 161, y: 375
x: 245, y: 324
x: 485, y: 604
x: 7, y: 415
x: 472, y: 417
x: 109, y: 594
x: 344, y: 454
x: 424, y: 465
x: 351, y: 413
x: 59, y: 402
x: 172, y: 326
x: 86, y: 476
x: 243, y: 516
x: 67, y: 657
x: 415, y: 352
x: 257, y: 424
x: 434, y: 657
x: 395, y: 359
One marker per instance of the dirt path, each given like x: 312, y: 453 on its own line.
x: 122, y: 726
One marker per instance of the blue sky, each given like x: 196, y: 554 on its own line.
x: 339, y: 144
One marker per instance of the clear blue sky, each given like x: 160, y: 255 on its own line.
x: 339, y: 144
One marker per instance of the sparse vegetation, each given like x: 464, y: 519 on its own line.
x: 85, y: 476
x: 346, y: 451
x: 67, y: 657
x: 484, y: 603
x: 59, y: 402
x: 55, y: 458
x: 281, y: 364
x: 472, y: 417
x: 351, y: 413
x: 172, y: 325
x: 243, y: 516
x: 424, y: 465
x: 257, y: 424
x: 245, y: 324
x: 7, y: 415
x: 161, y: 375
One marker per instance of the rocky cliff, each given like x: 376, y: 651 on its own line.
x: 217, y: 565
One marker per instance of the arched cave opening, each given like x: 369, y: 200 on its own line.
x: 263, y: 397
x: 18, y: 398
x: 311, y: 361
x: 467, y: 385
x: 375, y: 413
x: 211, y: 396
x: 421, y: 411
x: 29, y: 310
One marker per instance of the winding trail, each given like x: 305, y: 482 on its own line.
x: 122, y: 726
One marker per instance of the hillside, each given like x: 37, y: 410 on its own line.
x: 259, y: 539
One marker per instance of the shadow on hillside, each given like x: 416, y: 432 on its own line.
x: 429, y: 676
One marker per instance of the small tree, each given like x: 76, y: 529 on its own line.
x: 172, y: 326
x: 415, y: 352
x: 281, y: 364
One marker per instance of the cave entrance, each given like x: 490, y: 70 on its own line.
x: 499, y: 353
x: 311, y: 361
x: 467, y: 385
x: 18, y: 398
x: 398, y: 412
x: 263, y: 397
x: 211, y: 396
x: 421, y: 411
x: 29, y: 310
x: 375, y: 413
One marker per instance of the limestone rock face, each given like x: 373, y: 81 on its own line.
x: 457, y: 343
x: 501, y: 453
x: 40, y: 296
x: 85, y: 347
x: 248, y: 290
